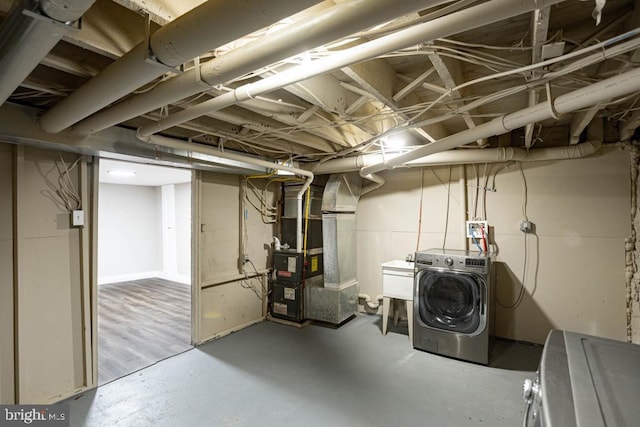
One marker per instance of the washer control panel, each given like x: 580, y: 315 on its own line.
x: 464, y: 261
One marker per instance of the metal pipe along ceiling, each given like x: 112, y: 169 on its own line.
x: 26, y: 38
x: 585, y: 97
x: 203, y: 149
x: 210, y: 25
x: 332, y: 24
x: 473, y: 17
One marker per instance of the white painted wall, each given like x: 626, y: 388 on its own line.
x: 225, y: 305
x: 6, y: 275
x: 183, y: 228
x: 52, y: 291
x: 129, y: 232
x: 576, y: 274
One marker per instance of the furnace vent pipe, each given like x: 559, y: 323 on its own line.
x: 177, y: 144
x: 585, y: 97
x: 29, y: 32
x: 210, y: 25
x: 332, y: 24
x: 464, y: 20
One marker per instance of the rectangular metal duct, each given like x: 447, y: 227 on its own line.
x: 337, y: 299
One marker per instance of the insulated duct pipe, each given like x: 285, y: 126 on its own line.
x: 585, y: 97
x: 29, y: 32
x: 471, y: 156
x: 332, y: 24
x: 210, y: 25
x: 177, y: 144
x: 461, y: 21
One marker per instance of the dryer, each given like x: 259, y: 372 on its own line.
x: 454, y: 303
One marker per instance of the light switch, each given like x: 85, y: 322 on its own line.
x: 77, y: 218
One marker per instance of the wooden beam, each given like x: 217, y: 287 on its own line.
x: 413, y: 85
x: 579, y: 122
x: 378, y: 78
x: 539, y: 30
x: 629, y: 126
x: 451, y: 75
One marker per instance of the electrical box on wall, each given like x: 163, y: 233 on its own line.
x: 77, y: 218
x: 477, y: 229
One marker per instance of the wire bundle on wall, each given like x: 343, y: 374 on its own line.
x: 67, y: 193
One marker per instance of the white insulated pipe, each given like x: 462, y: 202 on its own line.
x: 463, y: 20
x: 177, y: 144
x: 210, y: 25
x: 25, y: 39
x: 331, y: 24
x: 471, y: 156
x: 585, y: 97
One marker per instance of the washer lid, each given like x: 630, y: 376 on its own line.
x: 589, y: 381
x: 605, y: 380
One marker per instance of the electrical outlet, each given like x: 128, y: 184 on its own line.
x: 477, y: 229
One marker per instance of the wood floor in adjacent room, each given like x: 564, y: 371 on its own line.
x: 139, y: 323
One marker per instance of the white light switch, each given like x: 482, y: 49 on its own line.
x: 78, y: 218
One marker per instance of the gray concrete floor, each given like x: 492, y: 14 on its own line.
x: 277, y: 375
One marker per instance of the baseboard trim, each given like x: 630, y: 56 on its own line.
x: 144, y: 275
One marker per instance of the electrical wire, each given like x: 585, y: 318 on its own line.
x: 484, y: 237
x: 446, y: 224
x: 420, y: 210
x: 523, y: 288
x: 474, y: 239
x: 66, y: 190
x: 246, y: 283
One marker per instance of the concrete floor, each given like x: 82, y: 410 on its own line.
x: 275, y: 375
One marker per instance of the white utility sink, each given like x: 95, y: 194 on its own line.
x: 397, y: 283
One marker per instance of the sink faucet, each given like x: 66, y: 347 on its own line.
x: 409, y: 258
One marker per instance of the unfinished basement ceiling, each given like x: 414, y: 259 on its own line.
x: 410, y: 95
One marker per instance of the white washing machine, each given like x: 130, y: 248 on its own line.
x: 454, y: 303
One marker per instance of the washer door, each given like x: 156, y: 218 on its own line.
x: 451, y: 301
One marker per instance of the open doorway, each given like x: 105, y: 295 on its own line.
x: 144, y: 266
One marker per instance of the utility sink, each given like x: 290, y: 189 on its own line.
x: 398, y: 265
x: 397, y: 283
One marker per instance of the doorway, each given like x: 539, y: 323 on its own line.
x: 144, y: 266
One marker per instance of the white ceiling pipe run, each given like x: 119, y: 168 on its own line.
x: 210, y: 25
x: 177, y: 144
x: 471, y: 156
x: 331, y: 24
x: 585, y: 97
x: 25, y: 40
x: 473, y: 17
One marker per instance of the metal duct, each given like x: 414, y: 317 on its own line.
x: 467, y: 19
x: 337, y: 299
x: 210, y: 25
x: 341, y: 193
x: 332, y: 24
x: 29, y: 32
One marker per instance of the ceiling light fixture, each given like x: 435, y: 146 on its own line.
x: 393, y: 142
x: 122, y: 173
